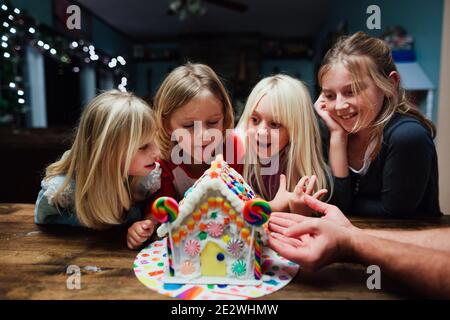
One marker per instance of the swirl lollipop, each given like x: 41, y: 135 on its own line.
x: 165, y: 209
x: 256, y: 211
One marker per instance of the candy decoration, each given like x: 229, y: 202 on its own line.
x: 219, y: 202
x: 202, y: 235
x: 226, y: 221
x: 239, y: 223
x: 202, y: 226
x: 176, y: 237
x: 183, y: 232
x: 245, y: 233
x: 165, y: 209
x: 239, y: 268
x: 258, y: 252
x: 191, y: 224
x: 192, y: 247
x: 232, y: 215
x: 256, y: 211
x: 204, y: 208
x: 212, y: 202
x: 226, y: 238
x: 197, y: 215
x: 214, y: 229
x: 235, y: 247
x: 187, y: 267
x: 226, y: 207
x: 169, y: 257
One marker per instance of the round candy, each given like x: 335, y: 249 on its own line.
x: 165, y: 209
x: 256, y: 211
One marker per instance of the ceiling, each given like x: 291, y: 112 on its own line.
x: 145, y: 19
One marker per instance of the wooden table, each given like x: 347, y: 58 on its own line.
x: 34, y: 261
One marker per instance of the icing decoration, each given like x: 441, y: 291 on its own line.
x: 187, y: 267
x: 256, y: 212
x: 215, y: 229
x: 214, y: 215
x: 239, y: 268
x: 165, y: 209
x: 192, y: 247
x: 235, y: 247
x: 202, y: 226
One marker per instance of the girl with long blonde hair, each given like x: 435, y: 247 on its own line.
x: 283, y: 156
x: 110, y: 167
x: 381, y: 148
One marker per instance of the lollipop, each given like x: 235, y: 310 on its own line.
x: 256, y: 211
x: 165, y: 209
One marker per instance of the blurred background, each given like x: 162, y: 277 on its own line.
x: 55, y: 58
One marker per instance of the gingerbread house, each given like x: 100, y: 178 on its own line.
x: 216, y: 233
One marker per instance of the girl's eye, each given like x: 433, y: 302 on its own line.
x: 213, y: 123
x: 145, y: 146
x: 349, y: 93
x: 275, y: 125
x: 188, y: 126
x: 254, y: 120
x: 329, y: 96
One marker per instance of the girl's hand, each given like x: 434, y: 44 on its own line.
x: 281, y: 200
x: 332, y: 125
x: 297, y: 199
x: 138, y: 233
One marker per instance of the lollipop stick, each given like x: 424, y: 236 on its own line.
x: 250, y: 249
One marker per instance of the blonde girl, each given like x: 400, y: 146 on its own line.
x: 193, y: 112
x: 282, y: 136
x: 110, y: 166
x: 381, y: 148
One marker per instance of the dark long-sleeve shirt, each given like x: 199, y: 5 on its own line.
x: 402, y: 181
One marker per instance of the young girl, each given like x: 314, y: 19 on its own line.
x: 283, y: 146
x: 381, y: 148
x: 193, y: 112
x: 109, y: 167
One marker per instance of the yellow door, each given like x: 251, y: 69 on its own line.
x: 212, y: 260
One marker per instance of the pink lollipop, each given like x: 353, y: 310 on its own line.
x: 256, y: 211
x: 165, y: 209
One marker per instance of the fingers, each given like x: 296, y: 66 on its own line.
x: 284, y: 249
x: 310, y: 186
x: 316, y: 205
x: 319, y: 194
x: 291, y: 241
x: 145, y: 228
x: 282, y: 182
x: 309, y: 226
x: 291, y: 217
x: 277, y: 228
x: 300, y: 187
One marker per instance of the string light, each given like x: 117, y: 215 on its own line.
x: 4, y: 7
x: 12, y: 30
x: 52, y: 51
x: 21, y: 101
x: 16, y: 11
x: 4, y: 45
x: 4, y: 38
x: 12, y: 85
x: 74, y: 44
x: 6, y: 55
x: 31, y: 30
x: 20, y: 92
x: 6, y: 24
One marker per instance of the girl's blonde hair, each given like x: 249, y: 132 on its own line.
x: 181, y: 86
x: 292, y: 108
x: 364, y: 55
x: 112, y: 128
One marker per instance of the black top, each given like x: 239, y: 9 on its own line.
x: 402, y: 181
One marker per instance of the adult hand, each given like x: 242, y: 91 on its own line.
x: 313, y: 243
